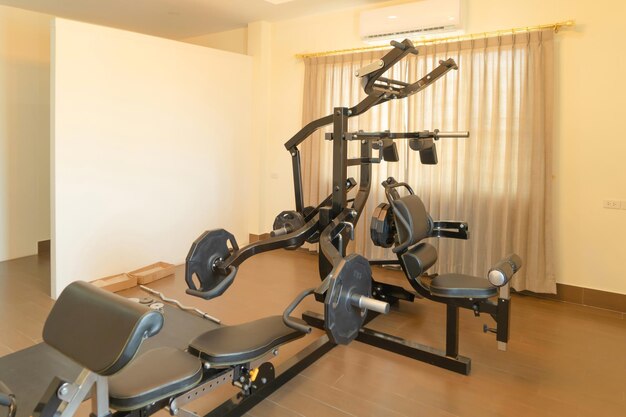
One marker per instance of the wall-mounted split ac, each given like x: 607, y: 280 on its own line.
x: 417, y: 20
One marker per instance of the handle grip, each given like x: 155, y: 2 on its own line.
x: 290, y: 322
x: 403, y: 46
x: 463, y: 134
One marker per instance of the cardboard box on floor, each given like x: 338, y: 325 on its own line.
x: 115, y: 283
x: 152, y: 272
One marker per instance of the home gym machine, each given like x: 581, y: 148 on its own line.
x: 135, y: 360
x: 403, y: 222
x: 212, y: 264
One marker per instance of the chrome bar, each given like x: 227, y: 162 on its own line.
x: 179, y: 305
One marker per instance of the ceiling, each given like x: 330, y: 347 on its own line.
x: 179, y: 19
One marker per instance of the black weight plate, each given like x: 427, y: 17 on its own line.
x: 291, y: 220
x: 353, y: 276
x: 209, y: 248
x: 382, y: 227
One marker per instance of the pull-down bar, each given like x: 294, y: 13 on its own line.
x: 378, y: 90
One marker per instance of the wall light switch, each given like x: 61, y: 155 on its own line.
x: 623, y: 205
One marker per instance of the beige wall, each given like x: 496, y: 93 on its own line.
x: 590, y: 65
x: 235, y: 40
x: 147, y: 138
x: 589, y: 155
x: 24, y: 131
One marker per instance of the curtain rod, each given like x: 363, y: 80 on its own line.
x: 554, y: 26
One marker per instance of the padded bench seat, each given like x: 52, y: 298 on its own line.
x: 154, y: 375
x: 231, y: 345
x: 461, y: 286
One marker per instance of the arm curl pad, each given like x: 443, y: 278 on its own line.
x: 99, y: 330
x: 502, y: 272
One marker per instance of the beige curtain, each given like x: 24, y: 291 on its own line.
x: 498, y: 180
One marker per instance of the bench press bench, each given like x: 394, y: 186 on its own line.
x: 164, y: 372
x: 102, y: 332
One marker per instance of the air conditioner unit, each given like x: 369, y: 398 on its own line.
x: 417, y: 20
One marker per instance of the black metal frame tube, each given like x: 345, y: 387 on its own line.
x: 459, y: 364
x: 297, y: 178
x: 340, y: 156
x: 295, y: 238
x: 238, y: 405
x: 452, y: 330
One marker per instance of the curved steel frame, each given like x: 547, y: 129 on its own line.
x: 336, y: 217
x: 378, y: 90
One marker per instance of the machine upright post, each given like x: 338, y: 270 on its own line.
x: 297, y: 178
x: 340, y: 160
x: 365, y: 180
x: 503, y: 314
x: 325, y: 265
x: 452, y: 330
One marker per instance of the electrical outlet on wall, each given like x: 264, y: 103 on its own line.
x: 612, y: 204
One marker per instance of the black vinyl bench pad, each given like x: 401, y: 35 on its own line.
x: 231, y: 345
x: 154, y: 375
x: 461, y: 286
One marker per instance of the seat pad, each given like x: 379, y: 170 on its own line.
x: 461, y: 286
x: 230, y: 345
x: 154, y: 375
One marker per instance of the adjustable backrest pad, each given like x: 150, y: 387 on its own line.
x: 99, y: 330
x: 413, y: 222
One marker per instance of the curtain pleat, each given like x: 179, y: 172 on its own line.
x: 498, y: 180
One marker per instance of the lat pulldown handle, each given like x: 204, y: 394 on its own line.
x: 289, y: 321
x: 413, y: 136
x: 404, y: 46
x: 379, y: 89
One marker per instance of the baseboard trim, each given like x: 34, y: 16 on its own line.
x: 43, y: 247
x: 585, y: 296
x: 564, y: 292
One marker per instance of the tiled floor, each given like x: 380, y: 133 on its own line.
x: 24, y: 301
x: 563, y: 359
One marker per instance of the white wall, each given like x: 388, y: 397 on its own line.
x: 235, y: 40
x: 589, y: 151
x: 24, y: 131
x: 150, y: 149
